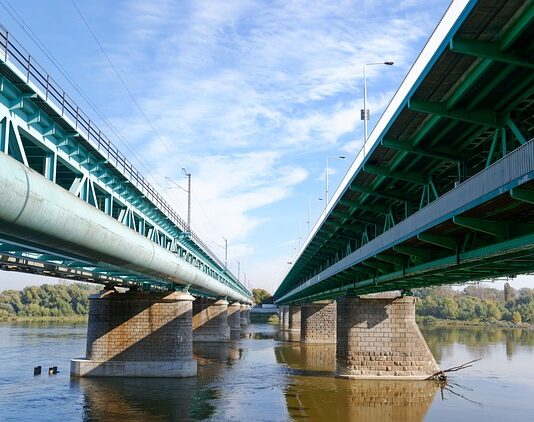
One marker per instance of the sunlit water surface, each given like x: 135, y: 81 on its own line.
x: 267, y: 376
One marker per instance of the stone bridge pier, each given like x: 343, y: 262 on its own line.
x: 234, y: 316
x: 138, y: 334
x: 294, y: 317
x: 245, y: 315
x: 318, y: 322
x: 210, y: 320
x: 377, y: 337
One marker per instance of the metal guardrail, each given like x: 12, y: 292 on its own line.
x: 12, y: 51
x: 515, y: 168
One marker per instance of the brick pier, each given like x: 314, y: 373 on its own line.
x: 243, y: 315
x: 210, y: 320
x: 378, y: 338
x: 294, y: 317
x: 318, y: 322
x: 138, y: 334
x: 234, y: 316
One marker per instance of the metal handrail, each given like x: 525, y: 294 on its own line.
x: 12, y: 50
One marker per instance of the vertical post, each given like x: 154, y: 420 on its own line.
x: 364, y: 115
x: 309, y: 215
x: 326, y: 189
x: 189, y: 202
x: 225, y: 252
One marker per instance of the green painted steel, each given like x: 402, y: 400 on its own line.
x: 42, y: 128
x: 472, y: 106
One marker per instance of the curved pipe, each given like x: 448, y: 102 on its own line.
x: 34, y: 209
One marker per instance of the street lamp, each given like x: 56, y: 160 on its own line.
x: 188, y: 175
x: 365, y: 112
x: 309, y: 213
x: 188, y: 190
x: 341, y: 157
x: 225, y: 252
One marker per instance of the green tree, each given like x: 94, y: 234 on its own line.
x: 260, y: 295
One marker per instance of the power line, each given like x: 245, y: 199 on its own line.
x: 122, y: 81
x: 36, y: 40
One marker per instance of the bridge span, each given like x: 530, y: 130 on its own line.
x: 72, y: 206
x: 441, y: 193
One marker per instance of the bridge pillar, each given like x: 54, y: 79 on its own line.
x: 294, y: 317
x: 210, y: 320
x: 243, y: 315
x: 285, y: 316
x: 377, y: 337
x: 138, y: 334
x: 234, y: 316
x: 318, y: 322
x: 249, y: 308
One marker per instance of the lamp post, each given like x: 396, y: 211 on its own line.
x: 188, y: 175
x: 365, y: 112
x: 188, y: 190
x: 309, y: 213
x: 341, y: 157
x: 225, y: 252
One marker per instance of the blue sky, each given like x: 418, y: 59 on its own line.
x: 249, y: 96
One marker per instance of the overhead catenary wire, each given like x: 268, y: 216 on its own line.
x: 121, y: 79
x: 37, y: 41
x: 143, y: 162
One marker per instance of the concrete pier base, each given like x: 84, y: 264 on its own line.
x: 294, y: 318
x: 234, y: 316
x: 318, y: 322
x: 138, y: 334
x: 210, y: 320
x: 378, y: 338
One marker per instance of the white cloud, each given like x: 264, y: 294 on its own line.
x: 240, y: 91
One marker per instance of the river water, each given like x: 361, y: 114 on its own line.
x: 264, y: 376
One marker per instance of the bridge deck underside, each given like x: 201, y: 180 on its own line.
x: 472, y: 105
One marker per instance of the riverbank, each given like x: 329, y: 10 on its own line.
x: 62, y: 319
x: 427, y: 321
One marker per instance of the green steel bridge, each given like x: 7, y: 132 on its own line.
x: 443, y: 190
x: 72, y: 205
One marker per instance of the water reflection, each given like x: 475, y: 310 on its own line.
x: 287, y: 335
x: 358, y: 400
x: 131, y: 399
x: 479, y: 340
x: 205, y: 353
x: 314, y: 393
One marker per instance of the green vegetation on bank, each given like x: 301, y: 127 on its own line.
x: 476, y: 305
x: 66, y: 301
x: 259, y: 295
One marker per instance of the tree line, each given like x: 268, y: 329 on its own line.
x: 477, y: 304
x: 48, y: 300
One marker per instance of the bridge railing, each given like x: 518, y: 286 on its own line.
x: 11, y: 50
